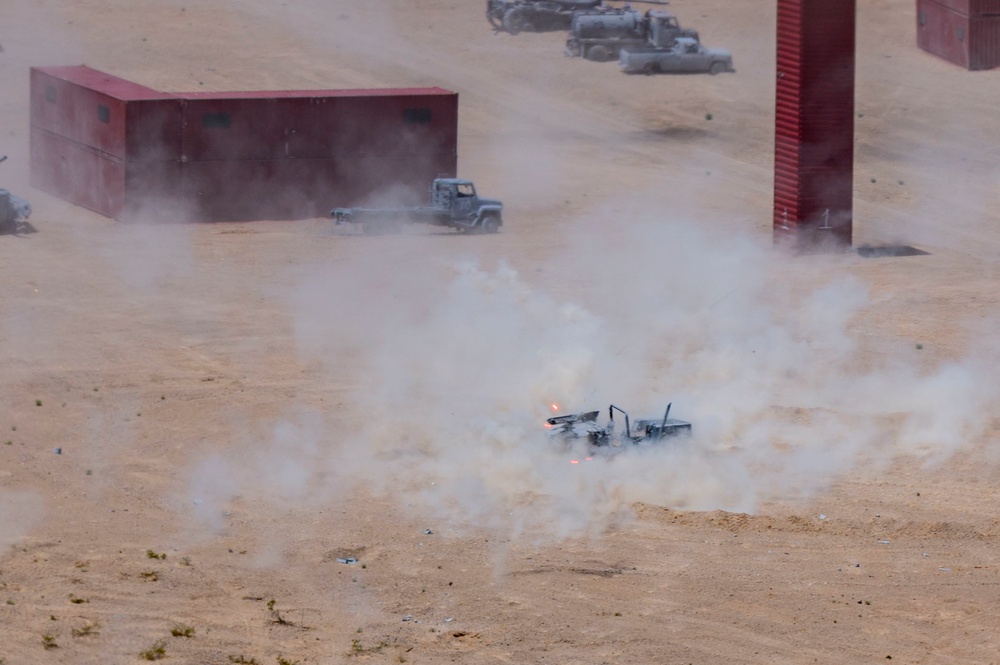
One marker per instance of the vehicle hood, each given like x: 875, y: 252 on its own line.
x: 490, y: 202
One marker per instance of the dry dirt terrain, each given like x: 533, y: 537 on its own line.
x: 238, y: 406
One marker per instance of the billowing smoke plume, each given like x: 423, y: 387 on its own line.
x: 459, y: 365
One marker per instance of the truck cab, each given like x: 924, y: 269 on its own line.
x: 458, y: 199
x: 664, y: 29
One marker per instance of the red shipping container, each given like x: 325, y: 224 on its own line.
x: 814, y: 123
x: 130, y: 152
x: 965, y: 33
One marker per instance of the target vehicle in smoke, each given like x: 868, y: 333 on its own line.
x: 454, y: 204
x: 686, y: 56
x: 516, y: 16
x: 13, y: 210
x: 584, y: 425
x: 601, y: 37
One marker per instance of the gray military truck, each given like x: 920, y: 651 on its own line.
x: 686, y: 56
x: 516, y: 16
x: 454, y: 204
x: 602, y: 36
x: 13, y: 210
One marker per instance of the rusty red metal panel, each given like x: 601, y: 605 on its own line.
x: 943, y: 32
x: 984, y: 43
x: 85, y: 105
x: 814, y: 122
x: 77, y: 113
x: 257, y: 127
x: 78, y: 173
x: 153, y: 129
x: 405, y: 124
x: 101, y: 82
x: 247, y: 190
x: 948, y: 31
x: 153, y: 192
x: 972, y: 8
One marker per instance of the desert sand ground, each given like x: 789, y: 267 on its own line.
x: 240, y: 405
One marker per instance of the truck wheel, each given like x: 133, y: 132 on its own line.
x: 491, y: 224
x: 717, y: 68
x: 598, y: 53
x: 650, y: 68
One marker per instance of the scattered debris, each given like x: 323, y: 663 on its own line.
x: 58, y: 451
x: 408, y: 617
x: 884, y: 542
x: 347, y: 559
x: 428, y: 532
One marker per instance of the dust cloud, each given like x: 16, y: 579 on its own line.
x: 460, y: 362
x: 19, y: 512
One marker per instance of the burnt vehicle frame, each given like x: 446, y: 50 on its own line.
x: 584, y: 426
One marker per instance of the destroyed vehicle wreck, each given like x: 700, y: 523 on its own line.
x: 584, y: 425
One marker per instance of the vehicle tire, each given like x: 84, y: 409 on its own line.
x: 717, y: 68
x: 599, y: 53
x: 650, y: 68
x: 495, y: 18
x: 518, y: 21
x: 490, y: 224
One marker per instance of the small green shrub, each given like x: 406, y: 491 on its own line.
x: 155, y: 652
x: 243, y: 660
x: 182, y: 631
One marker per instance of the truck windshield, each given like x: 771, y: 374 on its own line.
x: 465, y: 191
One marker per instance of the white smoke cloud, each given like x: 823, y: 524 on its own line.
x: 460, y: 362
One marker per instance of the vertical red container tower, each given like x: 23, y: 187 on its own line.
x: 814, y: 123
x: 965, y: 32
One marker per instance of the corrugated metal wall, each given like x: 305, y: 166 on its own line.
x: 130, y: 152
x: 814, y: 123
x: 972, y: 7
x: 965, y: 33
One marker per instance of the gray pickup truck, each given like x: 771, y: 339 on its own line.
x: 454, y: 204
x: 686, y: 56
